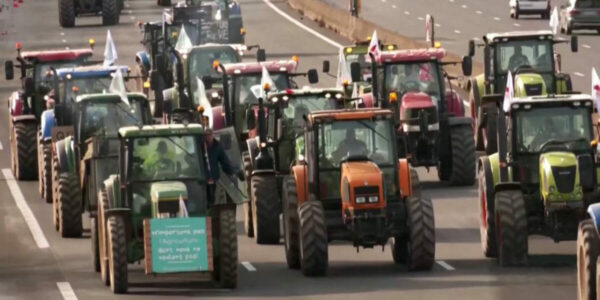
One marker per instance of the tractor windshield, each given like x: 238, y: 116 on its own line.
x: 243, y: 83
x: 201, y: 62
x: 534, y: 53
x: 301, y: 105
x: 106, y: 117
x: 536, y: 127
x: 81, y: 86
x: 414, y: 77
x: 43, y: 73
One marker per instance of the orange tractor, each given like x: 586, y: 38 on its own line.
x: 348, y: 183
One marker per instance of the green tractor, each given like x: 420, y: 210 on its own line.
x: 536, y: 69
x: 160, y: 209
x: 283, y: 123
x: 543, y: 177
x: 83, y: 150
x: 68, y: 10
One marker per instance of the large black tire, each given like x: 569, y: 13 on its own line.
x: 291, y: 223
x: 46, y: 172
x: 511, y: 228
x: 463, y: 156
x: 117, y: 254
x: 24, y: 151
x: 66, y: 13
x: 69, y: 205
x: 486, y: 209
x: 248, y: 221
x: 415, y: 183
x: 54, y: 184
x: 94, y: 240
x: 102, y: 248
x: 588, y: 248
x: 266, y: 208
x: 421, y: 238
x: 313, y: 238
x: 226, y: 259
x: 110, y: 12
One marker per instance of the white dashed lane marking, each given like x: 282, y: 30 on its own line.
x: 248, y: 266
x: 586, y: 46
x: 66, y: 290
x: 445, y: 265
x: 579, y: 74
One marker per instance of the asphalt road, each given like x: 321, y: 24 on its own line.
x: 64, y: 268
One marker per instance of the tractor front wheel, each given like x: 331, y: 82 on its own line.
x: 66, y: 13
x: 54, y: 185
x: 94, y: 240
x: 291, y: 223
x: 226, y: 266
x: 588, y: 249
x: 420, y: 246
x: 69, y: 205
x: 101, y: 229
x: 248, y: 221
x: 486, y: 208
x: 463, y: 156
x: 46, y: 171
x: 110, y: 12
x: 415, y: 183
x: 313, y: 238
x: 24, y: 151
x: 117, y: 254
x: 511, y: 228
x: 266, y: 208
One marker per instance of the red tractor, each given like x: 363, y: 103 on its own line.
x: 429, y: 115
x: 27, y: 105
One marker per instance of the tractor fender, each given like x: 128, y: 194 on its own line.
x: 454, y: 104
x: 404, y: 178
x: 594, y: 211
x: 65, y: 154
x: 300, y: 177
x: 125, y: 213
x: 507, y: 186
x: 478, y: 87
x: 47, y: 123
x: 494, y: 163
x: 218, y: 118
x: 252, y: 144
x: 142, y: 58
x: 24, y: 118
x: 15, y: 104
x: 111, y: 184
x: 564, y: 83
x: 458, y: 121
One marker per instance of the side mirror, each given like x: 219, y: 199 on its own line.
x: 29, y: 86
x: 250, y: 119
x: 467, y: 65
x: 261, y: 55
x: 471, y: 48
x: 8, y: 70
x: 313, y: 76
x: 326, y: 66
x: 279, y: 129
x: 355, y: 72
x: 574, y: 43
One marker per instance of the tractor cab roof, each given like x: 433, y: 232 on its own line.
x: 57, y: 55
x: 329, y: 93
x: 286, y: 66
x: 551, y: 101
x: 90, y: 71
x: 363, y: 47
x: 161, y: 130
x: 110, y: 97
x: 518, y: 35
x: 348, y: 114
x: 411, y: 55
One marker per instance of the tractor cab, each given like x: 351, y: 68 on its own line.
x: 222, y: 20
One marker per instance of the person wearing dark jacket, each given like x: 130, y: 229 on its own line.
x: 217, y: 157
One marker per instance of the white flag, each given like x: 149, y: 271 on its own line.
x: 595, y: 89
x: 509, y: 92
x: 266, y: 79
x: 203, y: 101
x: 343, y: 72
x: 354, y: 91
x: 373, y: 46
x: 183, y: 213
x: 554, y: 21
x: 184, y: 44
x: 110, y: 51
x: 117, y: 86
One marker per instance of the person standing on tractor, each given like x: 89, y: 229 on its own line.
x: 216, y: 157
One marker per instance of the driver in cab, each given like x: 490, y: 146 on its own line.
x: 350, y: 146
x: 517, y: 59
x: 160, y: 162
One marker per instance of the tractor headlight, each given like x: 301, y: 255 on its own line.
x: 360, y: 200
x: 373, y: 199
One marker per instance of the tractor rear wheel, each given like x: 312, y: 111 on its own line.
x: 421, y: 237
x: 54, y: 184
x: 69, y: 205
x: 102, y: 249
x: 66, y: 13
x: 110, y: 12
x: 511, y: 228
x: 399, y: 250
x: 226, y: 266
x: 46, y: 171
x: 24, y: 151
x: 463, y: 156
x: 94, y: 240
x: 291, y: 223
x: 588, y: 249
x: 117, y: 254
x: 266, y: 208
x: 248, y: 221
x: 415, y: 183
x: 486, y: 209
x: 313, y: 238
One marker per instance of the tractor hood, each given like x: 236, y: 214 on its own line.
x: 559, y: 177
x: 361, y: 186
x: 165, y: 197
x: 418, y: 113
x: 529, y: 84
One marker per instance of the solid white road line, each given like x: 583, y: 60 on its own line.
x: 248, y: 266
x: 479, y: 12
x: 66, y: 290
x: 32, y: 223
x: 496, y: 18
x: 1, y: 148
x: 456, y: 31
x: 445, y: 265
x: 299, y: 24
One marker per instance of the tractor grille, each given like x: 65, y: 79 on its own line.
x: 565, y: 178
x: 534, y: 89
x: 366, y: 190
x: 412, y: 115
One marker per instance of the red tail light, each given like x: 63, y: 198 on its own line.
x: 574, y: 12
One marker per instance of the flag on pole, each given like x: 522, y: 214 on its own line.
x: 373, y: 46
x: 595, y: 89
x: 343, y: 72
x: 110, y: 51
x: 203, y: 101
x: 184, y: 43
x: 117, y: 86
x: 183, y: 213
x: 266, y: 79
x: 509, y: 92
x: 554, y: 21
